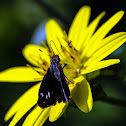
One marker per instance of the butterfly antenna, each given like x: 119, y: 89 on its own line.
x: 44, y: 53
x: 54, y: 45
x: 65, y: 47
x: 63, y: 50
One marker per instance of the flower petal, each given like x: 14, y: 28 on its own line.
x: 43, y: 117
x: 107, y: 26
x: 99, y: 65
x: 34, y: 55
x: 102, y: 31
x: 89, y: 32
x: 79, y: 26
x: 108, y: 45
x: 106, y: 41
x: 28, y: 97
x: 33, y: 116
x: 19, y: 74
x: 54, y: 33
x: 82, y: 95
x: 57, y: 111
x: 22, y: 111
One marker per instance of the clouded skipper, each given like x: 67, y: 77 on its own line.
x: 54, y: 87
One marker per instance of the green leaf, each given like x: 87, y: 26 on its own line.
x: 93, y: 75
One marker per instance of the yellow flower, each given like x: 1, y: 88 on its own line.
x: 83, y: 55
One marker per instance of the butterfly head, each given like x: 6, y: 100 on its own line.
x: 55, y: 58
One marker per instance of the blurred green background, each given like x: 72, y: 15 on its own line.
x: 18, y: 22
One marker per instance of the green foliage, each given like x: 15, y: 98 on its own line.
x: 93, y: 75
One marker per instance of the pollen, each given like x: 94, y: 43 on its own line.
x: 78, y: 70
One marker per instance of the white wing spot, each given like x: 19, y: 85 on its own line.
x: 42, y: 94
x: 48, y: 95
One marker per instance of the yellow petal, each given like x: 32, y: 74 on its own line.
x: 43, y: 117
x: 103, y: 30
x: 82, y: 94
x: 53, y: 33
x: 99, y: 65
x: 28, y: 97
x: 79, y: 27
x: 57, y: 111
x: 108, y: 45
x: 89, y: 32
x: 105, y: 41
x: 33, y: 55
x: 22, y: 111
x: 107, y: 26
x: 19, y: 74
x: 33, y: 116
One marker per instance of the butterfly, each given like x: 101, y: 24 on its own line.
x: 54, y: 87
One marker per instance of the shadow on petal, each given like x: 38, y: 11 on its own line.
x: 82, y: 95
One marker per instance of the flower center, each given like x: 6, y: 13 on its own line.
x: 72, y: 59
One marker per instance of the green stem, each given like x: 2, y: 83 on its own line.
x: 52, y: 12
x: 114, y: 101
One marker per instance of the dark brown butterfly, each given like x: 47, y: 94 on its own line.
x: 54, y: 87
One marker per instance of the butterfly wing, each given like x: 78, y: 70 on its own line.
x: 65, y: 88
x: 46, y: 91
x: 53, y: 89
